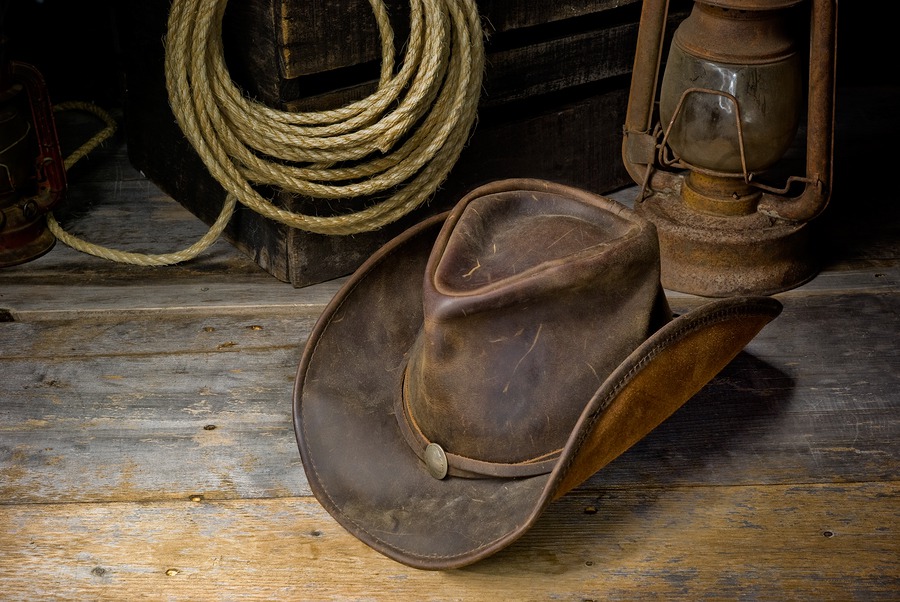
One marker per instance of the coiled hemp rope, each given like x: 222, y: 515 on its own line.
x: 402, y: 140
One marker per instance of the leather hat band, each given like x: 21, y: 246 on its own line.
x: 441, y: 463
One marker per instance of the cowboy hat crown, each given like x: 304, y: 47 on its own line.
x: 529, y: 303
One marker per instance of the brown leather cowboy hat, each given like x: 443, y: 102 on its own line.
x: 489, y: 360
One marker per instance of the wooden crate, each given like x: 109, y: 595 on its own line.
x: 553, y: 103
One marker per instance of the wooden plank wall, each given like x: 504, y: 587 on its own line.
x: 147, y: 452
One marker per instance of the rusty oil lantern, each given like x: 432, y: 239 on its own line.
x: 709, y: 153
x: 32, y: 171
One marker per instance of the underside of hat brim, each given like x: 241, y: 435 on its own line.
x: 363, y: 472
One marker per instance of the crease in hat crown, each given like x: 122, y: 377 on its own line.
x: 530, y: 301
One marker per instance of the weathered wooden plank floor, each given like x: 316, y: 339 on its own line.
x: 146, y: 447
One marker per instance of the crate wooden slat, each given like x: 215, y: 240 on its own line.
x: 307, y: 39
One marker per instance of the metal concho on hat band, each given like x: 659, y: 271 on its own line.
x: 441, y: 463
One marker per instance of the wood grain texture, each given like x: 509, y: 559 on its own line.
x: 123, y: 412
x: 132, y: 395
x: 309, y: 29
x: 776, y: 542
x: 38, y: 300
x: 512, y: 73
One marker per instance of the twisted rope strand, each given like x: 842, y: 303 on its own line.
x: 97, y: 139
x: 132, y: 258
x: 147, y: 259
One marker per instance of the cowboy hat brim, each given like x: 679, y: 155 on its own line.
x: 363, y: 472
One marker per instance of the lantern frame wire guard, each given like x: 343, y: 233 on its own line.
x: 32, y: 171
x: 722, y: 232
